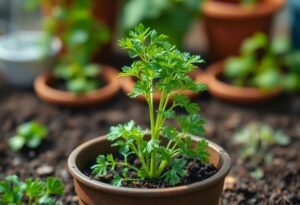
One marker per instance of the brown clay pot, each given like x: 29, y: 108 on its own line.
x: 127, y: 85
x: 92, y: 192
x: 227, y: 25
x: 43, y: 89
x: 232, y: 93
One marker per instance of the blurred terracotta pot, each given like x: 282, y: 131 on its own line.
x: 229, y: 24
x: 92, y: 192
x: 127, y: 85
x: 45, y: 91
x: 232, y: 93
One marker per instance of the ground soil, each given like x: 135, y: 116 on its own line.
x: 70, y: 127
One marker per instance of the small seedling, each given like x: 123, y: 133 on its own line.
x: 31, y: 192
x: 158, y: 67
x: 30, y: 134
x: 264, y: 64
x: 256, y: 140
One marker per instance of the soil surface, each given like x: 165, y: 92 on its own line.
x: 194, y: 169
x: 70, y: 127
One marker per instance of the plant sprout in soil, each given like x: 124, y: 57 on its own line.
x: 30, y: 134
x: 159, y: 67
x: 31, y: 192
x: 256, y: 140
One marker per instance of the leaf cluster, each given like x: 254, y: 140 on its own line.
x: 256, y: 140
x: 264, y: 64
x: 82, y: 36
x: 248, y: 2
x: 172, y: 17
x: 31, y: 192
x: 30, y: 134
x: 162, y: 150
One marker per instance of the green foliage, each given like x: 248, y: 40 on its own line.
x: 256, y: 140
x: 31, y: 192
x: 30, y: 134
x: 172, y: 17
x: 158, y: 67
x: 249, y: 2
x: 264, y: 64
x: 82, y: 36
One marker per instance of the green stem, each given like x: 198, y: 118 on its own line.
x: 128, y: 165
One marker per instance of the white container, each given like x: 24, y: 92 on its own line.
x: 22, y: 57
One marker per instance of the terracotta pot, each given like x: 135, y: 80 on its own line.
x: 127, y: 84
x: 228, y: 25
x: 234, y: 93
x: 43, y: 89
x: 92, y: 192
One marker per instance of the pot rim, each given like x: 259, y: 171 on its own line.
x: 56, y: 96
x: 233, y: 91
x: 78, y: 175
x: 217, y: 9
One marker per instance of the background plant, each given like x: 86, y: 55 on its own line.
x: 82, y: 36
x: 172, y: 17
x: 158, y: 67
x: 31, y: 192
x: 256, y: 140
x: 30, y: 134
x: 264, y: 64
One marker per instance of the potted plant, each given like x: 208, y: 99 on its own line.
x: 229, y: 22
x: 76, y: 80
x: 173, y: 18
x: 163, y: 165
x: 259, y: 74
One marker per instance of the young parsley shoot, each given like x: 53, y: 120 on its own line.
x: 30, y: 134
x: 31, y: 192
x: 158, y: 67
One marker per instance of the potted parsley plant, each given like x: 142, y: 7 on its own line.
x: 162, y: 165
x: 263, y: 71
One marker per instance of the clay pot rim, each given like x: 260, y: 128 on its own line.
x: 76, y: 173
x: 127, y: 84
x: 232, y: 91
x: 61, y: 97
x: 217, y: 9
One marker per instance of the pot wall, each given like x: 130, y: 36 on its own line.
x: 92, y: 192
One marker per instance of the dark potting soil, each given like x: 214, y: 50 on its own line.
x: 194, y: 169
x: 68, y: 128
